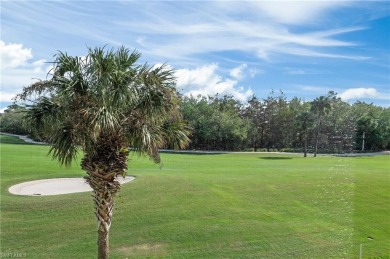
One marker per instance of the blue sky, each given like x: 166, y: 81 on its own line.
x: 241, y: 48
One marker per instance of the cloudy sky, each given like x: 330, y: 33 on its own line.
x: 241, y: 48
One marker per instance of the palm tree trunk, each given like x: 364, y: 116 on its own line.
x: 103, y: 245
x: 104, y: 192
x: 103, y: 165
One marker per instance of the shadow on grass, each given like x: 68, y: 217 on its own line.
x: 195, y: 153
x: 275, y: 158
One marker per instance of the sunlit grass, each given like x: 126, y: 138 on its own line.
x: 206, y: 206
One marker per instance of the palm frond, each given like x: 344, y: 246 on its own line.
x: 102, y: 94
x: 146, y: 138
x: 69, y: 75
x: 176, y: 134
x: 42, y: 113
x: 156, y: 94
x: 122, y: 78
x: 103, y: 119
x: 39, y: 88
x: 64, y: 144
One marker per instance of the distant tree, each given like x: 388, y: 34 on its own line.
x: 327, y: 123
x: 367, y: 128
x: 104, y: 103
x: 305, y: 123
x: 199, y: 114
x: 233, y: 129
x: 284, y: 122
x: 254, y: 114
x: 217, y: 122
x: 339, y: 127
x: 11, y: 121
x: 371, y: 126
x: 384, y: 129
x: 319, y: 107
x: 269, y: 133
x: 277, y: 118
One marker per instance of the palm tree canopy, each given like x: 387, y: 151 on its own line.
x: 101, y: 95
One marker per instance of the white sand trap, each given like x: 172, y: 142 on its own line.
x: 56, y: 186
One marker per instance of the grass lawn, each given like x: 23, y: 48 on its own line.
x: 205, y: 206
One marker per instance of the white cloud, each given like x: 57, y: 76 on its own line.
x: 238, y: 72
x: 6, y: 97
x: 198, y: 76
x: 206, y: 81
x: 13, y: 55
x: 263, y: 30
x: 296, y: 12
x: 40, y: 66
x: 307, y: 52
x: 19, y: 69
x: 356, y: 93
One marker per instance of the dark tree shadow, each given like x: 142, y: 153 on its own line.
x: 194, y: 153
x: 275, y: 158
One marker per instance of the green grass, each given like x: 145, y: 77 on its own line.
x: 206, y: 206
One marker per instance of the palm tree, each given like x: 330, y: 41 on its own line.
x: 320, y: 106
x: 102, y: 104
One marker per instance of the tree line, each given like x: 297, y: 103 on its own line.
x: 326, y: 125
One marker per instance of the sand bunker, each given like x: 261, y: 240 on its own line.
x: 56, y: 186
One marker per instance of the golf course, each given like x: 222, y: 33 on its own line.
x: 194, y: 205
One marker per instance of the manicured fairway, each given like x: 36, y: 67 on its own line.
x: 206, y: 206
